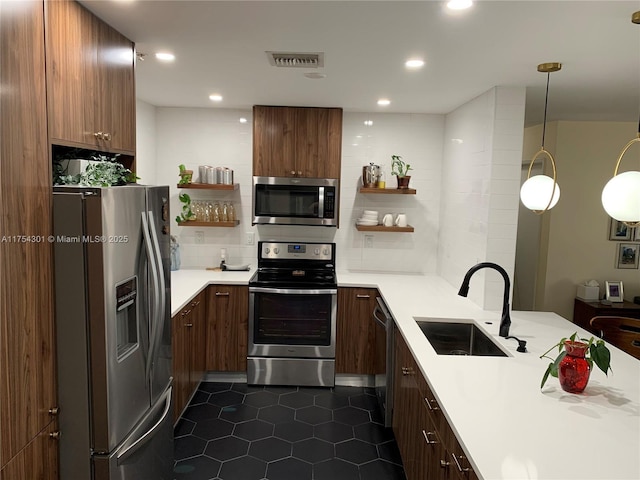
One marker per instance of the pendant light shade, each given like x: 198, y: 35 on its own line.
x: 541, y: 192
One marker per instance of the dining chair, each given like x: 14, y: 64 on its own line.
x: 622, y: 332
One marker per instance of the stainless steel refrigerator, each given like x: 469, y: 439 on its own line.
x: 112, y: 285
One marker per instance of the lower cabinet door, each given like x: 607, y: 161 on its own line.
x: 38, y: 460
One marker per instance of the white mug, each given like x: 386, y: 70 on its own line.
x: 387, y: 220
x: 401, y: 220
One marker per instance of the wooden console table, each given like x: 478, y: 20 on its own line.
x: 584, y: 311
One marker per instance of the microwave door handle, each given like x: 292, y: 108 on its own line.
x: 158, y: 320
x: 154, y: 291
x: 320, y: 202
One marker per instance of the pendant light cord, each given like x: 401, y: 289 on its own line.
x: 546, y: 101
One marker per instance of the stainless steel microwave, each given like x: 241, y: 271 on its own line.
x: 295, y: 201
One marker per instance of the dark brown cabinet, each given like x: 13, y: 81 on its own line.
x: 90, y: 81
x: 188, y: 331
x: 27, y: 350
x: 427, y: 444
x: 297, y: 142
x: 227, y: 323
x: 584, y: 311
x: 357, y: 337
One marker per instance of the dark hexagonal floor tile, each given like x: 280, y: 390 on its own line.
x: 381, y: 470
x: 183, y: 427
x: 227, y: 448
x: 314, y: 415
x: 280, y: 389
x: 276, y: 414
x: 244, y: 388
x: 389, y: 451
x: 204, y: 411
x: 373, y: 433
x: 313, y: 390
x: 239, y: 413
x: 356, y: 451
x: 188, y: 446
x: 212, y: 429
x: 199, y: 397
x: 296, y: 400
x: 270, y: 449
x: 331, y: 400
x: 351, y: 415
x: 333, y: 432
x: 313, y: 450
x: 335, y: 469
x: 293, y: 431
x: 214, y: 386
x: 347, y: 391
x: 377, y: 416
x: 261, y: 399
x: 366, y: 402
x: 196, y: 468
x: 288, y: 469
x: 225, y: 399
x: 243, y: 468
x: 253, y: 430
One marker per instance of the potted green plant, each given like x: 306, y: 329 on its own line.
x: 186, y: 214
x: 400, y: 168
x: 185, y: 175
x: 99, y: 170
x: 575, y: 361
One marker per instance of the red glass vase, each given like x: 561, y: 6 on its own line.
x: 573, y: 369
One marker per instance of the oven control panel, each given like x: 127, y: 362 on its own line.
x: 293, y: 251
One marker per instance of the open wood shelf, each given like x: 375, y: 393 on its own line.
x: 194, y: 223
x: 382, y: 228
x: 210, y: 186
x: 389, y: 191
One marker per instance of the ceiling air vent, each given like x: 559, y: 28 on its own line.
x: 296, y: 60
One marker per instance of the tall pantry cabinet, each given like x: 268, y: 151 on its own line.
x: 56, y: 83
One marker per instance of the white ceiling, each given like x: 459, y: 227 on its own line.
x: 220, y: 48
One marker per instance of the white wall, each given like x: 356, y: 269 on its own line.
x: 216, y: 137
x: 146, y: 143
x: 480, y: 185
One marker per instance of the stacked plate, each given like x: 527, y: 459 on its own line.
x: 369, y: 218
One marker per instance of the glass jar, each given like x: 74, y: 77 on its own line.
x: 231, y: 212
x: 224, y: 213
x: 215, y: 217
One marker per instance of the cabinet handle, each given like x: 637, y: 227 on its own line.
x: 55, y: 435
x: 300, y: 173
x: 444, y: 464
x: 185, y: 313
x: 293, y: 173
x: 195, y: 304
x: 407, y: 371
x: 99, y: 135
x: 54, y: 411
x: 222, y: 294
x: 107, y: 136
x: 431, y: 403
x: 460, y: 469
x: 426, y: 434
x: 188, y: 325
x: 363, y: 296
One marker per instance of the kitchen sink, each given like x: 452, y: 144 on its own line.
x: 458, y: 337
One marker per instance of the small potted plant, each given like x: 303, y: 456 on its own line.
x: 186, y: 214
x: 185, y: 175
x: 575, y: 361
x: 399, y: 168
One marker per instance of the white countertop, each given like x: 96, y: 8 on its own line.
x: 506, y: 424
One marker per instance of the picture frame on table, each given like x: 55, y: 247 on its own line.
x: 614, y: 291
x: 619, y: 231
x: 627, y: 255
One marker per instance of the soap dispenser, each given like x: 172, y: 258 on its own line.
x: 223, y: 258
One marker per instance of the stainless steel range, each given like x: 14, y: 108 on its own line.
x: 292, y: 315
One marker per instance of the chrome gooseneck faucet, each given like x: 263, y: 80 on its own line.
x: 505, y: 320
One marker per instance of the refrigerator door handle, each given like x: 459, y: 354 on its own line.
x: 156, y: 297
x: 132, y: 448
x: 159, y: 317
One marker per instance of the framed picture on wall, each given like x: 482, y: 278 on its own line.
x: 619, y: 231
x: 614, y: 292
x: 627, y: 255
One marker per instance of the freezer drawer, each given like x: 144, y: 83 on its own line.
x: 147, y: 453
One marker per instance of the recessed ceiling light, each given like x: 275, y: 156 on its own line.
x: 243, y: 120
x: 459, y: 4
x: 414, y: 63
x: 165, y: 56
x: 215, y: 97
x: 384, y: 102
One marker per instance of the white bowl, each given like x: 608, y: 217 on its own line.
x: 371, y: 212
x: 362, y: 221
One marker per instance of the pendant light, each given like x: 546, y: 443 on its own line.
x: 540, y: 192
x: 621, y: 194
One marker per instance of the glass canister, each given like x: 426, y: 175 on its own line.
x: 231, y: 212
x: 224, y: 213
x: 215, y: 217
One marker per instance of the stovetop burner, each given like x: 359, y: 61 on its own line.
x: 295, y: 265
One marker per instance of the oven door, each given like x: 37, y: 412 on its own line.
x: 287, y: 322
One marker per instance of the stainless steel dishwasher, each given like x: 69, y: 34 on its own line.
x: 384, y: 380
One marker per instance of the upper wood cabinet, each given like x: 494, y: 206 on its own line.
x: 90, y: 80
x: 27, y: 350
x: 297, y: 142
